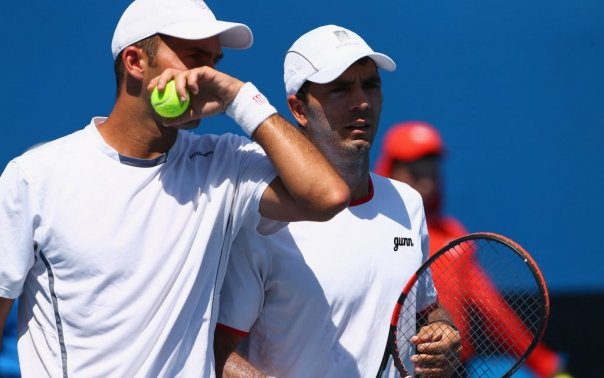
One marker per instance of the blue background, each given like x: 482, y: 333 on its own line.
x: 515, y: 86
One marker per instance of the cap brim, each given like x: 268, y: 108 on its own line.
x: 232, y: 35
x: 330, y: 73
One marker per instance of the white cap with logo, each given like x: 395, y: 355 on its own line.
x: 185, y: 19
x: 324, y: 53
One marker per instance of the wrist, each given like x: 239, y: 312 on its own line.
x: 249, y: 108
x: 446, y: 322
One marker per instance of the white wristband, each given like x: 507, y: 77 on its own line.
x: 249, y: 108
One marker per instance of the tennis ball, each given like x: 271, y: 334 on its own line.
x: 167, y: 102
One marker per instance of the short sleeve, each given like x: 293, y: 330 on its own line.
x: 242, y: 293
x: 426, y: 291
x: 256, y: 172
x: 16, y: 230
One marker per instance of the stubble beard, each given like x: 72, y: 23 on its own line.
x: 349, y: 158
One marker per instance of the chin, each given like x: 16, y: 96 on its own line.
x: 362, y: 144
x: 187, y: 125
x: 360, y: 147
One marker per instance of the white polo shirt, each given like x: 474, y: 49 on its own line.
x: 116, y: 260
x: 316, y: 298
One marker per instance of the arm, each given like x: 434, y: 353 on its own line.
x: 229, y: 363
x: 308, y: 187
x: 5, y: 306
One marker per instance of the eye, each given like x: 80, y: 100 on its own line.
x: 374, y: 84
x: 218, y: 59
x: 339, y: 89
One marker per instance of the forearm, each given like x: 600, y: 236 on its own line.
x: 313, y: 184
x: 5, y: 307
x: 238, y: 367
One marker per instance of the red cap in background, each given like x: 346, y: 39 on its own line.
x: 408, y: 141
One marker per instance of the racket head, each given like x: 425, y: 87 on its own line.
x: 494, y: 292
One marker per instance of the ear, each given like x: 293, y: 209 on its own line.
x: 298, y: 110
x: 134, y: 61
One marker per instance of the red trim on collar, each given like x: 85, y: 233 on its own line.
x: 365, y: 199
x: 232, y: 330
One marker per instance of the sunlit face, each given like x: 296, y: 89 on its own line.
x: 424, y: 176
x: 185, y: 54
x: 343, y: 115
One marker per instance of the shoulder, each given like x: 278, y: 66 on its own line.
x: 383, y: 185
x: 225, y: 149
x: 224, y: 144
x: 50, y: 151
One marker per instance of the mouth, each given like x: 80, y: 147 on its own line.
x: 359, y: 127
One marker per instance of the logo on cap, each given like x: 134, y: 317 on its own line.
x: 200, y: 4
x: 341, y: 35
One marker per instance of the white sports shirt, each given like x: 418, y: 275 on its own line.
x: 116, y: 260
x: 316, y: 298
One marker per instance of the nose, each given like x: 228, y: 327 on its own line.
x: 360, y: 100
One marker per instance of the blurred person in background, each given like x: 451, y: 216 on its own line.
x: 412, y: 152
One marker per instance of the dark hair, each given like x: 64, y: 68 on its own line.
x: 149, y: 46
x: 302, y: 93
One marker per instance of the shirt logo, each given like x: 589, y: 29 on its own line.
x: 199, y: 153
x: 402, y: 242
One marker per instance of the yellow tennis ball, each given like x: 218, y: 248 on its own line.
x: 167, y: 102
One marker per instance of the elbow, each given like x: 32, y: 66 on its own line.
x: 332, y: 202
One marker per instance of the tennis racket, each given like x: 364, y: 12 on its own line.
x: 494, y: 293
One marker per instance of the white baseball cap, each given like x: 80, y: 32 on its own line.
x: 185, y: 19
x: 324, y: 53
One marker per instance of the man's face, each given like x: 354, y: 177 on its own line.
x: 424, y: 176
x: 186, y: 54
x: 183, y: 55
x: 344, y: 114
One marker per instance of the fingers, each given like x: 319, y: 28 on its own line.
x: 211, y: 91
x: 438, y: 351
x: 434, y: 365
x: 186, y: 81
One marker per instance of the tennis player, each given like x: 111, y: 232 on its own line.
x: 315, y: 299
x: 115, y: 238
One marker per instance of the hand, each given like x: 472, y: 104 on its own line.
x: 211, y: 91
x: 438, y: 348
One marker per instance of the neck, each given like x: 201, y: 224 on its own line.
x: 355, y: 172
x: 133, y: 132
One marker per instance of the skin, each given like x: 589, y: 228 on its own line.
x: 5, y: 306
x: 229, y: 363
x: 341, y: 118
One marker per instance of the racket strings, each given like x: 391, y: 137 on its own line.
x: 493, y: 298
